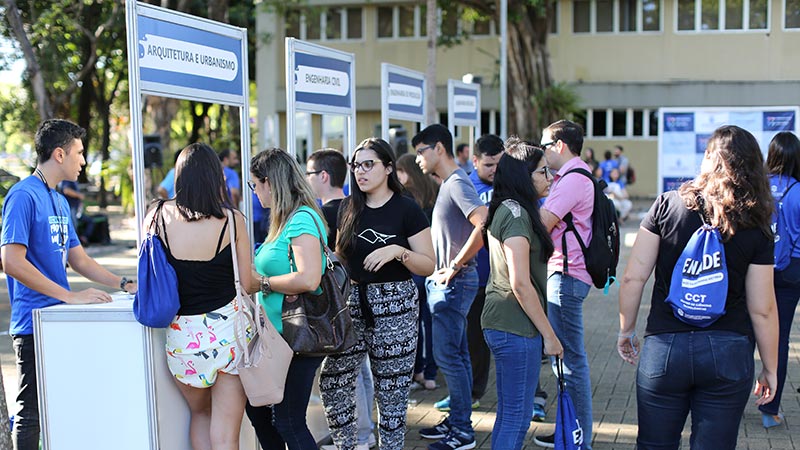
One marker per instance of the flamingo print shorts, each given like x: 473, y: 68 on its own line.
x: 200, y: 346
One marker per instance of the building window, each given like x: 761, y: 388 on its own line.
x: 334, y: 24
x: 723, y: 15
x: 406, y: 20
x: 554, y: 17
x: 385, y: 21
x: 791, y: 14
x: 616, y: 16
x: 619, y: 123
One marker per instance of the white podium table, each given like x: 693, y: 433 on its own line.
x: 104, y: 383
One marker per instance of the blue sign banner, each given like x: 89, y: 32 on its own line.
x: 405, y: 94
x: 182, y: 56
x: 319, y: 80
x: 679, y: 122
x: 779, y: 120
x: 465, y: 104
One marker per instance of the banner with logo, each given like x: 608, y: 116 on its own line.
x: 684, y: 134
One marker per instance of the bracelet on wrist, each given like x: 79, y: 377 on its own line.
x: 626, y: 336
x: 266, y: 287
x: 403, y: 256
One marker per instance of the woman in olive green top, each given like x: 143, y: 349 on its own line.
x: 514, y: 322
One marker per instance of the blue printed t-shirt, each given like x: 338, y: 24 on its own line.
x: 485, y: 192
x: 231, y: 178
x: 791, y: 207
x: 272, y: 258
x: 607, y: 166
x: 168, y: 183
x: 39, y: 219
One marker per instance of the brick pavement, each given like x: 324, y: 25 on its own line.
x: 613, y: 382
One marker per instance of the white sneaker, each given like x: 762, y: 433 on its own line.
x: 371, y: 443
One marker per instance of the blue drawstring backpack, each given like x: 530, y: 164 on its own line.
x: 569, y: 434
x: 699, y: 288
x: 156, y: 301
x: 783, y: 243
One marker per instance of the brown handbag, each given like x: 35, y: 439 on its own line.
x: 266, y: 358
x: 320, y: 324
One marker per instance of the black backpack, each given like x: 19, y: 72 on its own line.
x: 602, y: 253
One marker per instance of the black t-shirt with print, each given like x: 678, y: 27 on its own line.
x: 674, y: 223
x: 393, y: 223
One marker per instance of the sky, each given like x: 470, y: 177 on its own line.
x: 11, y: 76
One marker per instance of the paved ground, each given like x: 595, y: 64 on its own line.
x: 613, y: 381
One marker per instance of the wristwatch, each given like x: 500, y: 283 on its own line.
x: 124, y: 282
x: 454, y: 266
x: 266, y: 287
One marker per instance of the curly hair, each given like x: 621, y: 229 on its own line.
x: 732, y: 189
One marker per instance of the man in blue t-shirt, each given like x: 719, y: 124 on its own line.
x: 38, y: 240
x: 488, y: 150
x: 230, y: 162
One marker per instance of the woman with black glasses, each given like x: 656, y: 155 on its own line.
x: 384, y: 237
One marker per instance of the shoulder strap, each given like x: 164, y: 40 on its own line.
x: 570, y: 224
x: 325, y: 249
x: 222, y: 232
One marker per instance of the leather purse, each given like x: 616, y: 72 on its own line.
x: 266, y: 358
x: 320, y: 324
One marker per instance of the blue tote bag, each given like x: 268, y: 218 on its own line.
x: 156, y: 301
x: 569, y: 434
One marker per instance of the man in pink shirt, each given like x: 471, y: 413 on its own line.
x: 568, y: 282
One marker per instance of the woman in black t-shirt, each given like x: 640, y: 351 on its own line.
x: 384, y: 238
x: 706, y: 371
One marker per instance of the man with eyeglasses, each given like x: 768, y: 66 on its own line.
x: 326, y: 170
x: 568, y: 282
x: 458, y: 217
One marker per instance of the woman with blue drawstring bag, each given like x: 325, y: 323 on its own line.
x: 783, y: 166
x: 713, y: 300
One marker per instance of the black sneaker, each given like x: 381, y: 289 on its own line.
x: 548, y: 441
x: 438, y: 431
x: 453, y: 441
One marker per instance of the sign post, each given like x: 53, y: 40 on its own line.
x: 464, y: 108
x: 319, y: 80
x: 176, y: 55
x: 402, y: 96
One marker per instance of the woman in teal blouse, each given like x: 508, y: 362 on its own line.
x: 281, y: 185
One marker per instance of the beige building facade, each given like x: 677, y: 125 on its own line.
x: 624, y: 58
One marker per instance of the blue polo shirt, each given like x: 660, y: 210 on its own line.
x: 485, y: 193
x: 38, y: 218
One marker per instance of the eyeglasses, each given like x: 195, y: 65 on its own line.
x: 422, y: 150
x: 251, y: 185
x: 365, y: 165
x: 313, y: 172
x: 544, y: 170
x: 544, y: 146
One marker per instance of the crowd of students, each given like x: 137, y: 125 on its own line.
x: 447, y: 268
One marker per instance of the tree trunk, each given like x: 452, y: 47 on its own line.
x: 430, y: 70
x: 43, y: 103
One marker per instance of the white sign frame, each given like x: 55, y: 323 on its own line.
x: 453, y: 121
x: 296, y: 47
x: 670, y: 160
x: 133, y: 11
x: 386, y: 112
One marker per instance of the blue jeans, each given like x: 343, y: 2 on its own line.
x: 449, y: 307
x: 284, y: 425
x: 517, y: 362
x: 707, y: 373
x: 787, y: 293
x: 365, y: 398
x: 565, y: 296
x: 424, y: 362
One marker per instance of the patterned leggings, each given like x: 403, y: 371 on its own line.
x: 391, y: 347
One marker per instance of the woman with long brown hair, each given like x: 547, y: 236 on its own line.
x: 706, y: 371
